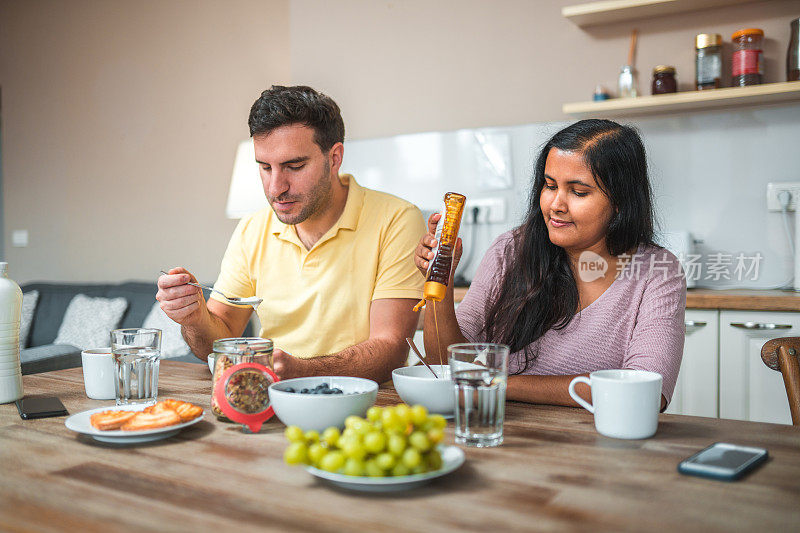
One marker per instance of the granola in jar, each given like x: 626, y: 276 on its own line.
x: 246, y: 391
x: 235, y: 350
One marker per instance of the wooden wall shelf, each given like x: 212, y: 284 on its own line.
x: 768, y: 93
x: 610, y: 11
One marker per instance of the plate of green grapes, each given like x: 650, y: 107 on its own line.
x: 394, y: 448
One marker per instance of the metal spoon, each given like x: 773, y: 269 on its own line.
x: 253, y: 301
x: 416, y: 351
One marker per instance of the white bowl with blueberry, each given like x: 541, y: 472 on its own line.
x: 416, y: 385
x: 322, y: 401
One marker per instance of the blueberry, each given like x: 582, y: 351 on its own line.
x: 336, y: 391
x: 304, y: 391
x: 288, y: 389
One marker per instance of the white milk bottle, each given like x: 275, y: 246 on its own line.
x: 10, y: 313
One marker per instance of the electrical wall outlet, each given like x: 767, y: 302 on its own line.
x: 774, y: 188
x: 19, y: 238
x: 490, y: 211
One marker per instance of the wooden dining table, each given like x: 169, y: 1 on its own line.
x: 553, y: 472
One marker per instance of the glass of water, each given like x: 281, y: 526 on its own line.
x: 480, y: 372
x: 136, y: 355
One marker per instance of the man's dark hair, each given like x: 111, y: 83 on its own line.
x: 282, y: 106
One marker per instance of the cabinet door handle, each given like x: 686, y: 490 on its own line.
x: 760, y: 325
x: 695, y: 324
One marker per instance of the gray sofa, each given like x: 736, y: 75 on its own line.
x: 41, y: 355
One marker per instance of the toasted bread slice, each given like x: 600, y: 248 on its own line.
x: 144, y: 420
x: 108, y: 420
x: 188, y: 411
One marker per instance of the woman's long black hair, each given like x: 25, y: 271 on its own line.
x: 537, y: 291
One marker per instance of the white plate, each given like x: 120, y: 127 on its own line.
x: 452, y: 458
x: 80, y: 423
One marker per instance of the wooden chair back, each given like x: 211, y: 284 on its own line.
x: 783, y: 355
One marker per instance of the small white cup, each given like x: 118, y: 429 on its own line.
x: 625, y: 403
x: 99, y: 374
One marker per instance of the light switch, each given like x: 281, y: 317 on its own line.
x: 19, y: 238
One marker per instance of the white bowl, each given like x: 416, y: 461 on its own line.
x: 416, y: 385
x: 320, y: 411
x: 211, y: 359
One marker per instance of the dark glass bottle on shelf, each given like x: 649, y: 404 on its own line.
x: 664, y: 80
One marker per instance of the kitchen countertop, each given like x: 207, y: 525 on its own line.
x: 554, y: 472
x: 744, y: 299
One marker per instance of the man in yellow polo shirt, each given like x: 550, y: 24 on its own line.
x: 333, y: 261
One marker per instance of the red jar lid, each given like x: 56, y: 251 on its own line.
x: 242, y: 395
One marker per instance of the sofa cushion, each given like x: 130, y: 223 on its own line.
x: 53, y: 301
x: 28, y: 307
x: 140, y: 296
x: 172, y: 343
x: 49, y: 357
x: 88, y: 321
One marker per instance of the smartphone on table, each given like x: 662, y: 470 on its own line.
x: 40, y: 407
x: 723, y: 461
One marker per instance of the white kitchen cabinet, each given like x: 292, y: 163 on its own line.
x: 696, y: 391
x: 748, y: 390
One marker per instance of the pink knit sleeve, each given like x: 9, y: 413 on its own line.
x: 471, y: 312
x: 657, y: 340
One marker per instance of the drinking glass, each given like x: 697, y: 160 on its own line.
x: 136, y: 356
x: 480, y: 372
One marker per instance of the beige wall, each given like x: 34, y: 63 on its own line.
x: 120, y: 125
x: 405, y: 66
x: 120, y: 119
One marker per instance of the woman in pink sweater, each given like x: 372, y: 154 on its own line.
x: 580, y: 285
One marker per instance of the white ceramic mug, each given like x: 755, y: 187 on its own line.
x: 99, y: 374
x: 625, y: 403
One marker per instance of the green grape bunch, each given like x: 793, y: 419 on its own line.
x: 391, y: 441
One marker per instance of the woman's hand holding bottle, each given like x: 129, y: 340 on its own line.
x: 424, y: 251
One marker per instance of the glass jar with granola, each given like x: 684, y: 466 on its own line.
x: 235, y: 350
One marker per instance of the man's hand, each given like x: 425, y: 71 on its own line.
x: 183, y: 303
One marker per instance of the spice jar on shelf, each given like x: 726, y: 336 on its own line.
x: 627, y: 85
x: 600, y: 94
x: 708, y: 61
x: 664, y: 80
x: 748, y: 57
x: 233, y: 351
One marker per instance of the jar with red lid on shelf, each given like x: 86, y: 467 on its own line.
x: 748, y: 57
